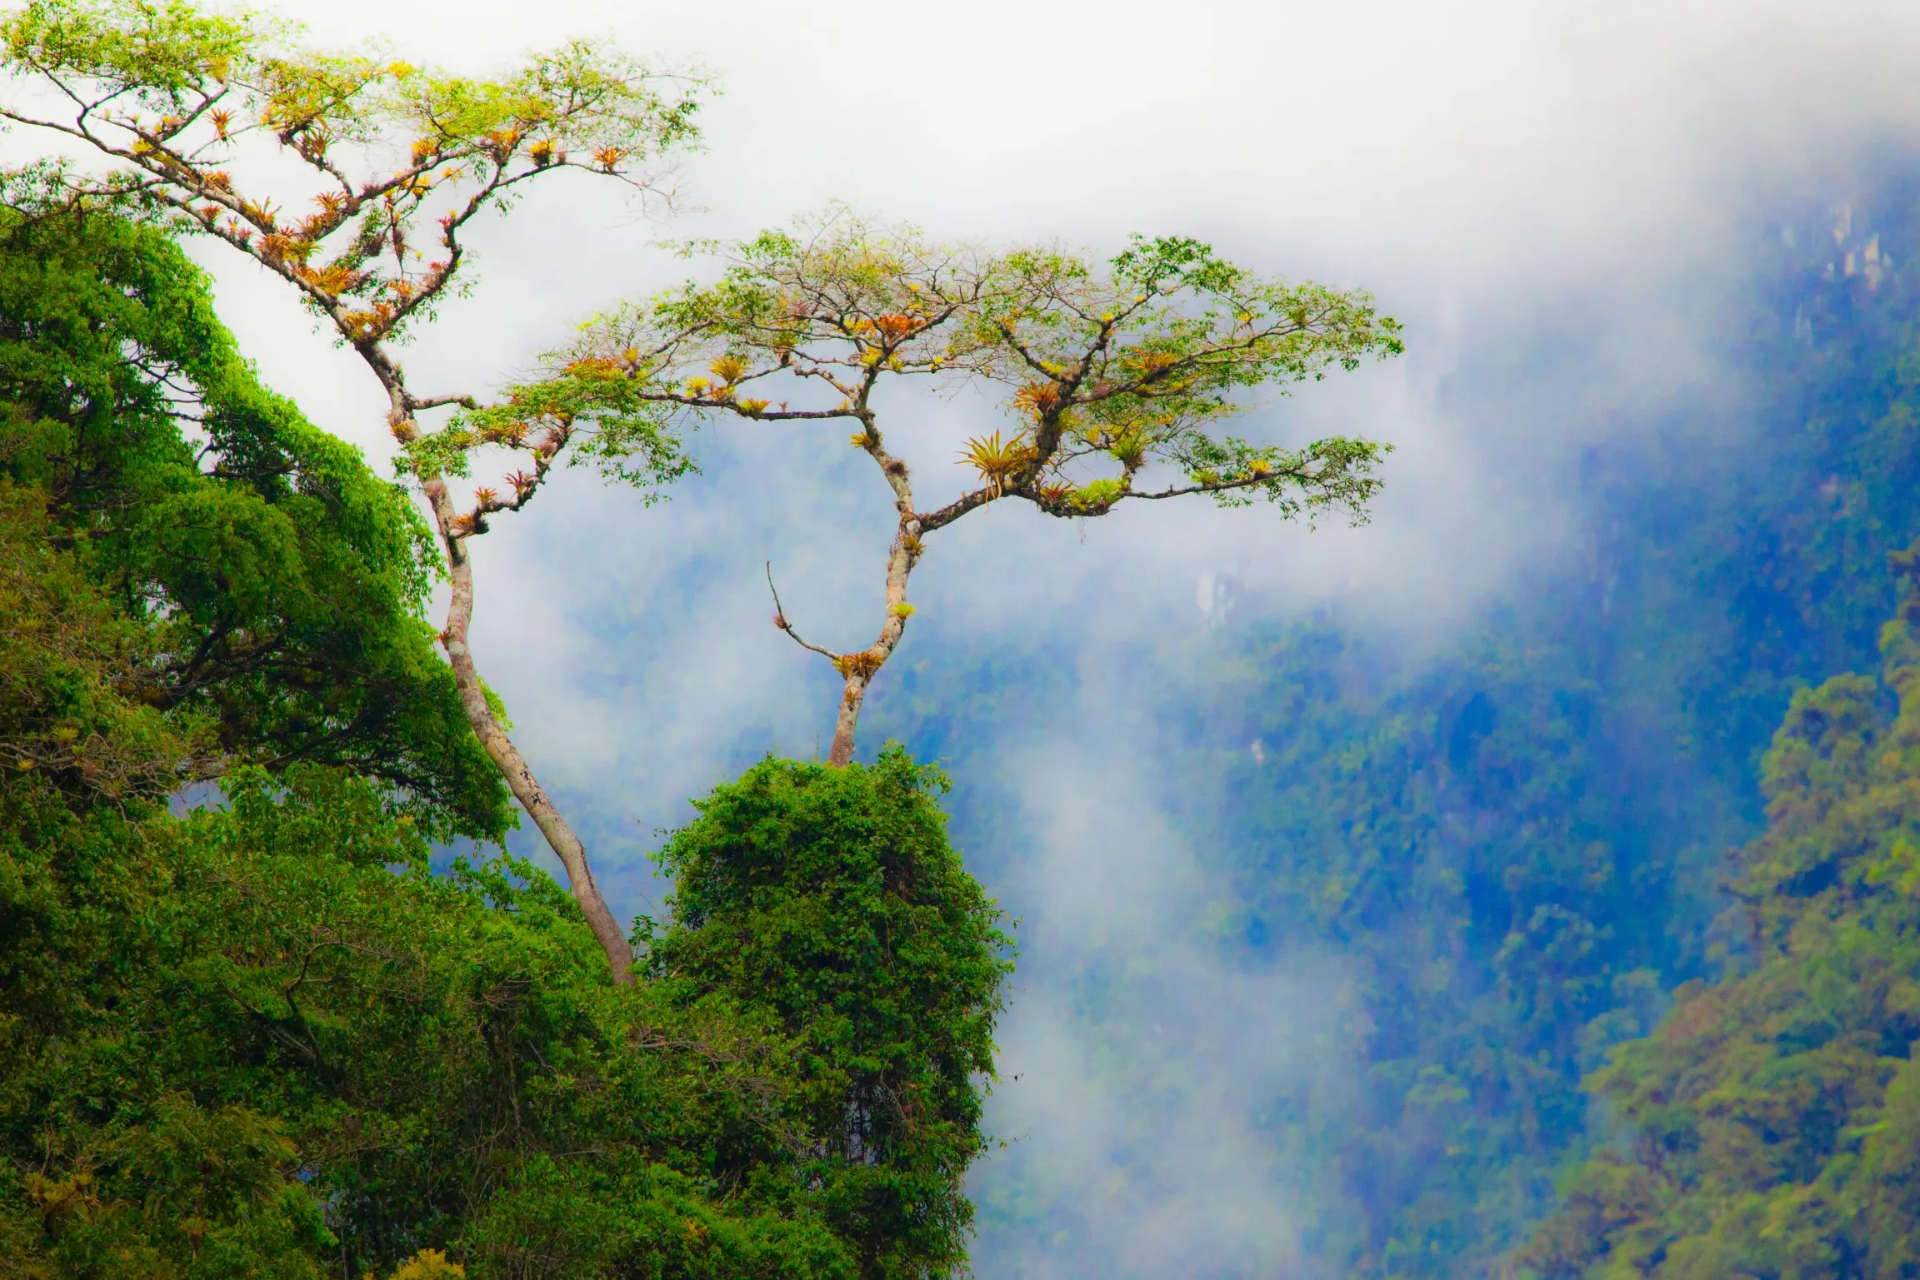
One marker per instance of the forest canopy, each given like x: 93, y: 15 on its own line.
x: 1775, y: 1116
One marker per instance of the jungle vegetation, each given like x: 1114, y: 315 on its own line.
x: 259, y: 1035
x: 1626, y: 877
x: 1117, y: 371
x: 1774, y: 1117
x: 1524, y: 851
x: 274, y: 998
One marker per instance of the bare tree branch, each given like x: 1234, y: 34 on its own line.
x: 780, y: 621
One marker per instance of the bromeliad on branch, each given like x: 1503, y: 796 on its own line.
x: 1118, y: 373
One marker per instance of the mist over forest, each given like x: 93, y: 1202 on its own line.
x: 1493, y: 856
x: 1412, y: 883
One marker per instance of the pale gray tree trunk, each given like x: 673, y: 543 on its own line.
x: 493, y: 737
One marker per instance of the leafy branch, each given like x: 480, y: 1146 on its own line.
x: 1118, y: 374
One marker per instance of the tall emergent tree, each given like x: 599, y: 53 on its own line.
x: 197, y: 114
x: 1118, y: 374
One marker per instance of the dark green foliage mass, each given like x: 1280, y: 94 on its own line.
x: 265, y: 1040
x: 827, y: 903
x: 284, y: 579
x: 262, y: 1037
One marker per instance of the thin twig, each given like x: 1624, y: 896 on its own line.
x: 780, y: 621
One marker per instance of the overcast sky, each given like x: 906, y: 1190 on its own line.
x: 1487, y: 167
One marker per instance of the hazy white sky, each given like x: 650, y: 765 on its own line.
x: 1442, y: 148
x: 1479, y: 164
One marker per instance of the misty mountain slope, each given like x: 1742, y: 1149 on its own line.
x: 1770, y: 1121
x: 1331, y: 990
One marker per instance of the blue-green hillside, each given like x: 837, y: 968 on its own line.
x: 1514, y: 850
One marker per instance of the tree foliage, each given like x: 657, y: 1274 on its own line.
x: 172, y: 92
x: 174, y: 100
x: 828, y: 902
x: 1109, y: 368
x: 1118, y: 375
x: 189, y: 107
x: 284, y: 582
x: 264, y: 1037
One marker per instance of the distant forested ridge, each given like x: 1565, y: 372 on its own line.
x: 1772, y: 1122
x: 260, y: 1036
x: 1519, y: 848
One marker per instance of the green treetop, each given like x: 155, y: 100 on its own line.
x: 285, y: 582
x: 828, y: 903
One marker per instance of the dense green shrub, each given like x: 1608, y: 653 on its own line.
x: 827, y: 904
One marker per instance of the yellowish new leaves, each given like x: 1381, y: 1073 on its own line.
x: 177, y: 99
x: 169, y: 90
x: 429, y: 1264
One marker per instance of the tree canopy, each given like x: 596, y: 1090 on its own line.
x: 829, y: 902
x: 1117, y: 374
x: 285, y: 584
x: 1776, y: 1115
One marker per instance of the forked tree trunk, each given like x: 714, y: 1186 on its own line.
x: 859, y: 669
x: 506, y: 757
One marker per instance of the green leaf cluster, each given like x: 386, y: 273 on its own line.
x: 1111, y: 368
x: 153, y: 53
x: 827, y: 903
x: 66, y: 656
x: 169, y: 93
x: 176, y: 59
